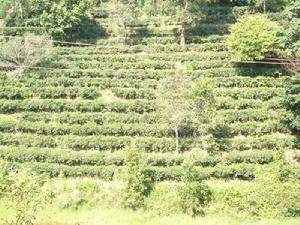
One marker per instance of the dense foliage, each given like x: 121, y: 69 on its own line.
x: 137, y: 182
x: 253, y: 37
x: 73, y: 117
x: 291, y: 37
x: 63, y: 20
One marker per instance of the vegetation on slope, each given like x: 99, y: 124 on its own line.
x: 76, y: 114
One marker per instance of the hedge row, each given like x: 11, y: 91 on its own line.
x: 133, y: 93
x: 113, y: 41
x: 84, y: 118
x: 239, y: 171
x: 260, y: 114
x: 157, y: 74
x: 255, y: 128
x: 33, y: 81
x: 149, y: 144
x: 238, y: 104
x: 110, y: 129
x: 14, y: 92
x: 137, y: 74
x: 19, y: 154
x: 113, y: 128
x: 100, y: 143
x: 250, y: 82
x: 227, y: 116
x: 139, y: 106
x: 11, y: 92
x: 148, y: 41
x: 61, y: 105
x: 262, y: 93
x: 145, y: 64
x: 272, y: 142
x: 122, y: 49
x: 133, y: 58
x: 59, y: 156
x: 44, y: 92
x: 40, y: 80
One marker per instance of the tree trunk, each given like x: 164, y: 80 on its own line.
x: 154, y: 7
x: 265, y: 6
x: 183, y: 28
x: 177, y: 139
x: 182, y: 36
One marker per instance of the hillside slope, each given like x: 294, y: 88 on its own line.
x: 78, y: 116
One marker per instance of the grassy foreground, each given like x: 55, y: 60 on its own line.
x: 105, y: 216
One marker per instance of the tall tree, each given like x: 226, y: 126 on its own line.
x: 22, y: 53
x: 15, y: 12
x: 188, y: 12
x: 291, y: 35
x: 173, y: 99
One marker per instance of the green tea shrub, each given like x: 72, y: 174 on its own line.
x: 253, y: 38
x: 137, y: 184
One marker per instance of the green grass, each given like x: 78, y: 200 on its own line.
x: 104, y: 216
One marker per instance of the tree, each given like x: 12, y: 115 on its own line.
x: 269, y: 5
x: 253, y: 37
x: 173, y: 99
x: 14, y: 12
x: 66, y: 20
x: 290, y: 40
x: 21, y: 53
x: 188, y: 12
x: 125, y: 13
x: 63, y: 19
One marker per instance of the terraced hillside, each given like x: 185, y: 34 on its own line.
x: 77, y: 116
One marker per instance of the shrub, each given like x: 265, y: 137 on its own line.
x: 163, y: 200
x: 267, y: 196
x: 137, y: 183
x: 252, y: 38
x: 193, y: 195
x: 23, y: 194
x: 83, y: 193
x: 271, y: 198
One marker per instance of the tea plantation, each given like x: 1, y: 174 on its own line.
x: 77, y: 115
